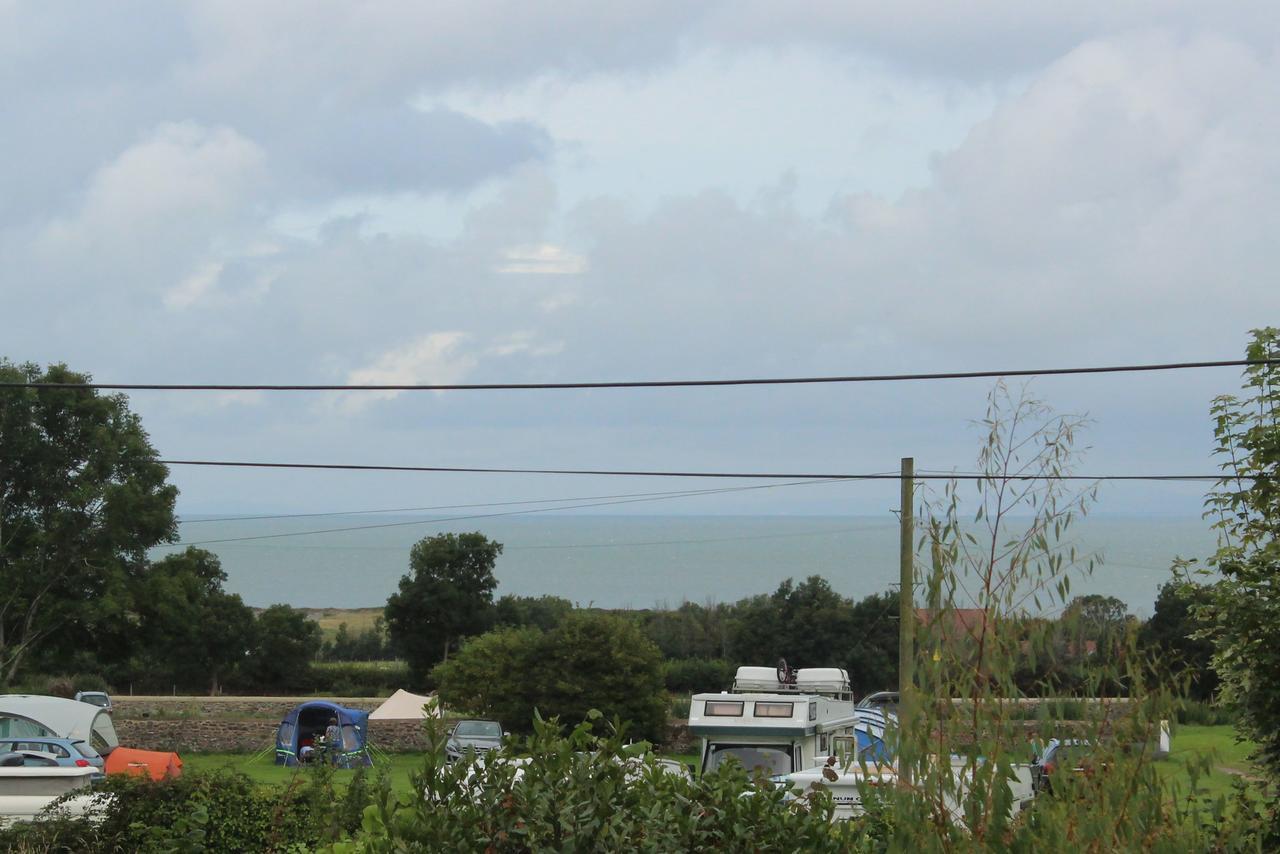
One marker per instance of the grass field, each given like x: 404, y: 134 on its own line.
x: 357, y: 619
x: 262, y: 768
x: 1228, y: 758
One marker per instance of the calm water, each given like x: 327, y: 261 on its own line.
x: 642, y: 561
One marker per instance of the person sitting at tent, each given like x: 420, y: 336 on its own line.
x: 333, y: 741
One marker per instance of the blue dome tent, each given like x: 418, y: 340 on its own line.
x: 305, y: 725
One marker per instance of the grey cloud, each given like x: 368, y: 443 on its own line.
x: 398, y: 149
x: 1122, y: 208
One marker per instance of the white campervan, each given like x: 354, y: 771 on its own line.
x: 777, y: 721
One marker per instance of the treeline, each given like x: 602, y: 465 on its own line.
x: 179, y: 630
x: 812, y: 625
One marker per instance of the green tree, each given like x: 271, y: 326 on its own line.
x: 1245, y: 506
x: 690, y: 631
x: 285, y: 640
x: 1094, y: 617
x: 543, y: 612
x: 808, y: 623
x: 589, y: 661
x: 82, y: 498
x: 448, y: 596
x: 192, y: 629
x: 872, y: 660
x: 493, y: 675
x: 1173, y: 637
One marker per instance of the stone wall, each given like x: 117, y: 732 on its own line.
x: 248, y: 724
x: 198, y: 736
x: 219, y: 735
x: 235, y: 724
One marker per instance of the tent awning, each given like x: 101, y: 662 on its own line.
x: 404, y: 706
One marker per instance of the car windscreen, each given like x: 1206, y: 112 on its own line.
x: 479, y: 729
x: 95, y: 699
x: 755, y: 758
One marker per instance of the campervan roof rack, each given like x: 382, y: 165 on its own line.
x: 825, y: 681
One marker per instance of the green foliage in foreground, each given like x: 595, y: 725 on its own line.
x: 1244, y: 607
x: 215, y: 811
x: 583, y: 792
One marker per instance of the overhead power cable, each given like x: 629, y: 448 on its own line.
x: 690, y: 474
x: 408, y: 523
x: 678, y: 383
x: 672, y: 494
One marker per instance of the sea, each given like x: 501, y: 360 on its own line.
x: 650, y: 561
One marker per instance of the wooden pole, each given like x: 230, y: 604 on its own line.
x: 906, y: 612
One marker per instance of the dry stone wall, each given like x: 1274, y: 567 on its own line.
x: 248, y: 724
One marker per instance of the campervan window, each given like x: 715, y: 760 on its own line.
x: 723, y: 709
x: 755, y: 758
x: 774, y: 710
x: 859, y: 747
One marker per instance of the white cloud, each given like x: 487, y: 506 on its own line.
x: 433, y: 359
x: 194, y: 287
x: 523, y: 344
x: 545, y: 258
x: 179, y: 187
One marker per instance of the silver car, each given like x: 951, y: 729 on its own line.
x: 480, y: 736
x: 96, y: 698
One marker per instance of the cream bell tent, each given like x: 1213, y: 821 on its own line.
x: 403, y: 706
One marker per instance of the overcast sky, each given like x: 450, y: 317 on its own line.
x: 406, y: 192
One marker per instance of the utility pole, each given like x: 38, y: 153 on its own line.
x: 906, y: 614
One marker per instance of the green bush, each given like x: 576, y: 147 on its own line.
x: 692, y: 675
x: 590, y: 660
x: 60, y: 684
x: 359, y: 678
x: 1204, y: 714
x: 216, y: 811
x: 579, y: 792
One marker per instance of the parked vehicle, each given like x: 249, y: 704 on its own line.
x: 101, y: 699
x: 27, y: 789
x: 802, y: 730
x: 480, y: 736
x: 779, y: 721
x: 68, y: 752
x: 32, y: 716
x: 1070, y: 756
x: 885, y: 701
